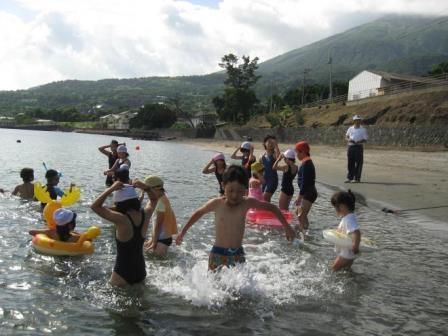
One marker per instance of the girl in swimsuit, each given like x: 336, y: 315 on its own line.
x: 131, y: 225
x: 289, y: 173
x: 247, y: 156
x: 217, y: 165
x: 123, y: 160
x: 268, y: 159
x: 256, y: 181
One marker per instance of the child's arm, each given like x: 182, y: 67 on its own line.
x: 276, y: 165
x: 206, y: 208
x: 208, y: 169
x: 157, y: 229
x: 40, y: 231
x: 103, y: 150
x: 104, y: 212
x: 277, y: 150
x: 254, y: 203
x: 15, y: 192
x: 236, y: 157
x: 356, y: 237
x: 251, y: 156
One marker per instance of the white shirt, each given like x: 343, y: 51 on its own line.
x: 356, y: 134
x: 348, y: 225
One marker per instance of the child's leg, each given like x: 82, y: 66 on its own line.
x: 161, y: 249
x: 305, y: 208
x: 283, y: 201
x: 341, y: 263
x: 267, y: 196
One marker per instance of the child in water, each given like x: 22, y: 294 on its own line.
x: 123, y: 159
x: 256, y: 181
x: 306, y: 180
x: 230, y: 214
x: 247, y: 157
x: 272, y: 152
x: 53, y: 177
x: 112, y: 156
x: 26, y: 189
x: 344, y: 204
x: 217, y: 165
x: 289, y: 173
x: 164, y: 224
x: 65, y: 224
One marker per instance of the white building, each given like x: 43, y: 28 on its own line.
x: 372, y: 83
x: 118, y: 121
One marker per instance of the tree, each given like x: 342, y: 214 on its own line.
x: 176, y: 103
x: 153, y: 116
x: 239, y: 101
x: 439, y: 69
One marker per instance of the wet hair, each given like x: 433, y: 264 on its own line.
x: 122, y: 175
x: 114, y: 142
x: 235, y: 173
x: 63, y: 231
x: 27, y: 174
x: 130, y: 204
x: 344, y: 197
x: 268, y: 137
x: 51, y: 173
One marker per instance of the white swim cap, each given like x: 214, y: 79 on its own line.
x: 122, y: 149
x: 125, y: 193
x: 357, y: 117
x: 246, y: 145
x: 63, y: 216
x: 290, y: 154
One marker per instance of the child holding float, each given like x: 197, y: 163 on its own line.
x: 344, y: 204
x: 272, y: 152
x: 306, y: 178
x: 164, y: 224
x: 247, y: 157
x: 289, y: 170
x: 217, y: 165
x: 26, y: 189
x: 230, y: 214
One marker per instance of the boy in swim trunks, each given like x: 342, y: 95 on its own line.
x: 230, y: 214
x: 26, y: 189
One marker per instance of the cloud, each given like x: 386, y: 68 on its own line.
x: 94, y: 39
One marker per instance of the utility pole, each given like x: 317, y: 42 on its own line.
x: 305, y: 72
x: 330, y: 63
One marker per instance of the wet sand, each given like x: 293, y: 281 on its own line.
x: 396, y: 179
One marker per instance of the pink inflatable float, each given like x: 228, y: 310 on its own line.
x: 267, y: 218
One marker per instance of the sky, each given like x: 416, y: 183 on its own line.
x: 52, y: 40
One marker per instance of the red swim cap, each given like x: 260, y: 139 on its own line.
x: 303, y: 146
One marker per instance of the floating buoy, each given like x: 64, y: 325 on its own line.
x: 19, y: 141
x: 137, y: 147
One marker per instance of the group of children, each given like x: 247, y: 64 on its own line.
x: 249, y: 186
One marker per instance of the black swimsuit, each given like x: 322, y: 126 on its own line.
x: 112, y: 159
x: 130, y: 262
x: 287, y: 179
x: 219, y: 178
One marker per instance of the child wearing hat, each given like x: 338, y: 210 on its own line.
x: 131, y: 225
x: 307, y: 184
x: 289, y: 173
x: 112, y: 156
x: 247, y: 157
x: 217, y: 165
x: 164, y: 223
x: 65, y: 225
x: 122, y: 161
x: 256, y: 181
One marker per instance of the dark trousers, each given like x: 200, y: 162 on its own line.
x: 355, y: 155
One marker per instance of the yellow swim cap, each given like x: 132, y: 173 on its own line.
x: 256, y: 166
x: 154, y: 181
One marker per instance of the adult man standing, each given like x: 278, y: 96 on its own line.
x: 356, y: 136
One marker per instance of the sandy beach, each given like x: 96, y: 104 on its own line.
x: 396, y: 179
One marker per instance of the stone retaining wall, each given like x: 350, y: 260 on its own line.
x: 378, y: 136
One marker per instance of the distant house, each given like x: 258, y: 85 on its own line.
x: 118, y: 120
x: 372, y: 83
x: 7, y: 121
x: 205, y: 118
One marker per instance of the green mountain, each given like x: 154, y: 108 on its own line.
x: 401, y: 44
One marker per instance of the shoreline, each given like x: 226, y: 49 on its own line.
x: 394, y: 178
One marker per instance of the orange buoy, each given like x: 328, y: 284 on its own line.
x: 137, y: 147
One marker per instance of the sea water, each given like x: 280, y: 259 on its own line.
x: 400, y: 289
